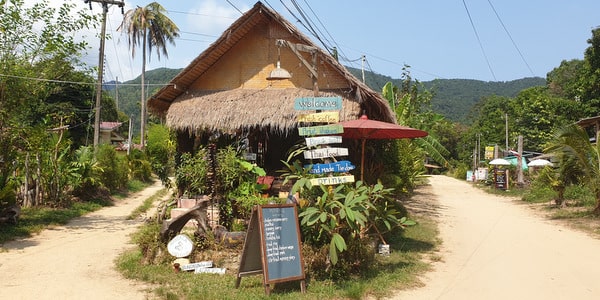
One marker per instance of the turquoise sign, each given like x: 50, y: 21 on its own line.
x: 318, y: 103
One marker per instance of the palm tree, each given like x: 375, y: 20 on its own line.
x: 573, y: 143
x: 151, y: 27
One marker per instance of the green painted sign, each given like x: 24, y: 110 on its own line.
x: 321, y: 130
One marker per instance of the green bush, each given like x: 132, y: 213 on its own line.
x: 344, y: 219
x: 139, y: 166
x: 191, y: 176
x: 153, y: 250
x: 160, y: 149
x: 582, y: 195
x: 115, y: 169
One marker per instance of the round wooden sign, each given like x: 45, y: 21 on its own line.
x: 180, y: 246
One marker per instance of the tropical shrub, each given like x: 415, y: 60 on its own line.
x: 115, y: 169
x: 191, y: 174
x: 236, y: 182
x: 160, y: 149
x: 140, y: 167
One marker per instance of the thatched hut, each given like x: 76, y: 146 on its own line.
x: 228, y: 88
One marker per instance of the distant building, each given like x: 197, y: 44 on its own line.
x: 592, y: 126
x: 108, y: 133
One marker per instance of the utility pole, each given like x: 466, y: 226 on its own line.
x: 363, y: 58
x: 506, y: 130
x: 104, y: 4
x: 117, y: 92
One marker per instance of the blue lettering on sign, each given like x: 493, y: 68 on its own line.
x: 318, y: 103
x: 339, y: 167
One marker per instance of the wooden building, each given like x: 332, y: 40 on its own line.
x: 235, y: 87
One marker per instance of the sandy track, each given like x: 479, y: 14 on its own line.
x: 75, y: 261
x: 494, y: 248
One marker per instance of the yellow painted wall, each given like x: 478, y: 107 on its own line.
x: 250, y: 61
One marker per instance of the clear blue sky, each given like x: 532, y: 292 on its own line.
x: 516, y: 38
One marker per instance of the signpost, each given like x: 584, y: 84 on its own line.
x: 318, y: 103
x: 272, y: 246
x: 324, y: 134
x: 338, y: 167
x: 325, y: 153
x: 320, y: 117
x: 332, y: 180
x: 321, y: 140
x: 320, y: 130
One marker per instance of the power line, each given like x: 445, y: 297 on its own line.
x: 479, y: 40
x: 235, y: 7
x: 77, y: 82
x: 511, y: 38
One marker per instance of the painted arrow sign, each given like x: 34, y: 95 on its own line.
x: 318, y: 103
x: 340, y: 166
x: 320, y: 117
x: 325, y: 152
x: 321, y: 130
x: 332, y: 180
x: 321, y: 140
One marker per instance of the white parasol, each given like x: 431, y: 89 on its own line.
x: 539, y: 163
x: 500, y: 162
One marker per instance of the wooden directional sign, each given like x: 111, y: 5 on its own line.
x: 318, y: 103
x: 321, y: 130
x: 325, y: 152
x: 340, y: 166
x: 321, y: 117
x: 321, y: 140
x: 332, y: 180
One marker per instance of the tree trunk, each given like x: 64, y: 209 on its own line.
x: 596, y: 210
x: 26, y: 199
x: 143, y: 97
x: 38, y: 190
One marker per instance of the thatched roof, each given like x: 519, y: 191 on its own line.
x: 227, y: 110
x: 273, y: 108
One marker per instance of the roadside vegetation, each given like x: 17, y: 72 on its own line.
x: 49, y: 174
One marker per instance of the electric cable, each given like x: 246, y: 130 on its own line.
x: 479, y: 41
x: 511, y: 38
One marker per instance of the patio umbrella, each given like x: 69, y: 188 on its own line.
x: 500, y: 162
x: 539, y: 163
x: 365, y: 129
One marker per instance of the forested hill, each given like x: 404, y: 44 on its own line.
x: 452, y: 98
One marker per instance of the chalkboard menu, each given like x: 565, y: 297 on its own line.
x: 272, y: 246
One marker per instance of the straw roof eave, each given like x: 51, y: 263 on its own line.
x: 272, y: 108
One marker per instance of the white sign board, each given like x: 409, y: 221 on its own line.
x: 325, y: 152
x: 320, y: 140
x: 180, y: 246
x: 332, y: 180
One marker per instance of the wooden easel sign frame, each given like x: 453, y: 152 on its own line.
x: 272, y: 246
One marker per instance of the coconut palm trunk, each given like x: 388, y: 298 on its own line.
x: 150, y: 27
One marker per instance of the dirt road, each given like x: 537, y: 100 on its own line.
x: 494, y: 248
x: 75, y: 261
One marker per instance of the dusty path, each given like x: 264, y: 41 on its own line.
x: 75, y: 261
x: 495, y: 249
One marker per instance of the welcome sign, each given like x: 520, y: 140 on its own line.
x: 318, y: 103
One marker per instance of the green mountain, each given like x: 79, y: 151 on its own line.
x: 453, y: 98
